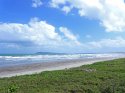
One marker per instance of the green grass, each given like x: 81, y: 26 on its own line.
x: 101, y: 77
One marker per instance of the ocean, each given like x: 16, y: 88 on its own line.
x: 22, y: 59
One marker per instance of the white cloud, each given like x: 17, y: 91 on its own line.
x: 55, y: 3
x: 118, y: 42
x: 67, y: 33
x: 66, y: 9
x: 41, y: 35
x: 110, y: 13
x: 35, y: 33
x: 36, y: 3
x: 38, y: 32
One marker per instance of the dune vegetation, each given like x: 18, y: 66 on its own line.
x: 100, y: 77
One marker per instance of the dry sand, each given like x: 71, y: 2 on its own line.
x: 46, y: 66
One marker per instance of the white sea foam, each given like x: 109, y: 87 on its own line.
x: 11, y: 60
x: 68, y: 56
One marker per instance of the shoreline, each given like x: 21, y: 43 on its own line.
x: 36, y: 68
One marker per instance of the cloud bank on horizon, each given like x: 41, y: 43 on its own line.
x: 39, y: 34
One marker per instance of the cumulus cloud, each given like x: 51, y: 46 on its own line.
x: 67, y: 33
x: 66, y: 9
x: 36, y: 3
x: 35, y: 33
x: 38, y: 32
x: 42, y: 35
x: 110, y: 13
x: 56, y: 3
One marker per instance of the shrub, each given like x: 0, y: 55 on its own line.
x: 12, y: 89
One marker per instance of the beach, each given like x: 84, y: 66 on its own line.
x: 47, y: 66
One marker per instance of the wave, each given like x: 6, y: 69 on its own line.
x: 66, y: 56
x: 26, y: 59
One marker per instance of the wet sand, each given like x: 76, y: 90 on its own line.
x: 47, y: 66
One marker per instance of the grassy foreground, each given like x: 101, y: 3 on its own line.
x: 102, y: 77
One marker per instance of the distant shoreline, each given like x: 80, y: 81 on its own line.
x: 47, y: 66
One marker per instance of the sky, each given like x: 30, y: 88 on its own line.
x: 68, y: 26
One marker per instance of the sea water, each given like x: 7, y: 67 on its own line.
x: 16, y: 59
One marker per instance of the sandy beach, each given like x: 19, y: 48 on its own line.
x: 47, y: 66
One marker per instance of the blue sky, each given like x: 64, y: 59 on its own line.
x: 29, y: 26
